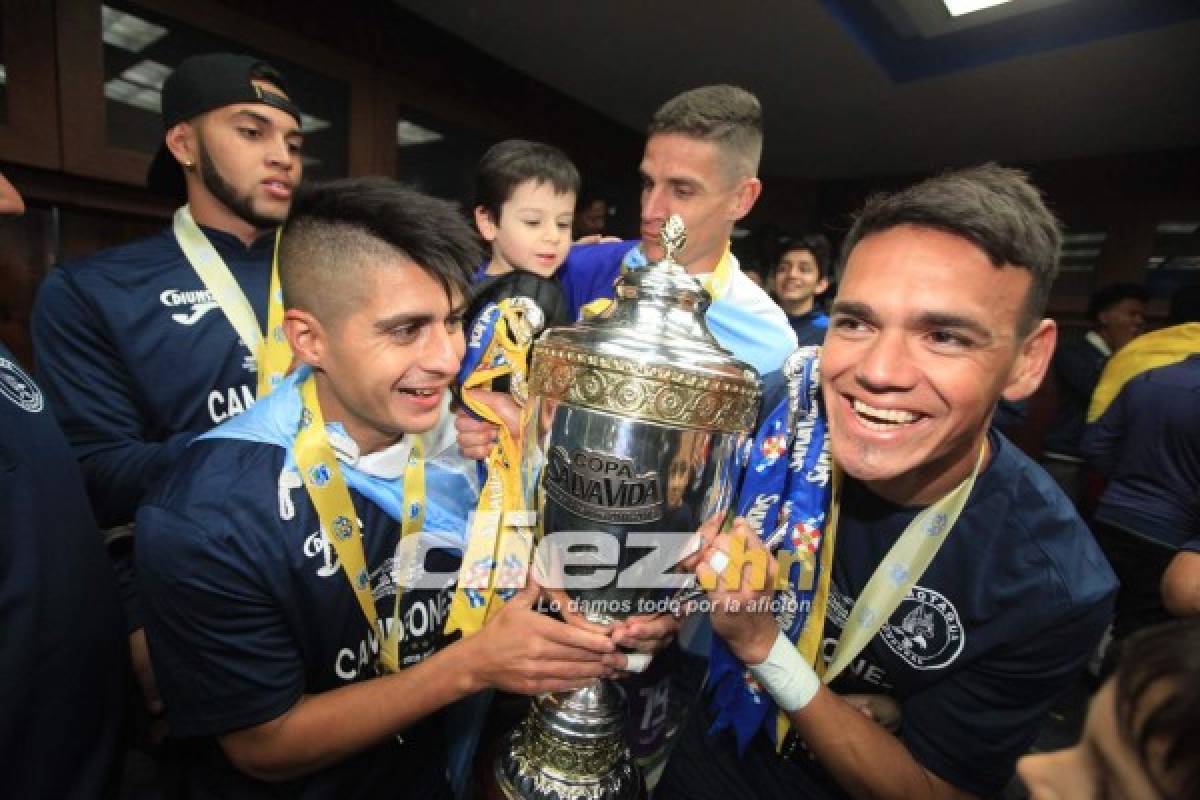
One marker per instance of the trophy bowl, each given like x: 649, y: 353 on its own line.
x: 635, y: 426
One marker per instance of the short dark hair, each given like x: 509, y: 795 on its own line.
x: 815, y: 243
x: 1104, y: 299
x: 1163, y: 657
x: 996, y: 208
x: 508, y: 164
x: 336, y: 228
x: 729, y: 116
x: 1185, y: 305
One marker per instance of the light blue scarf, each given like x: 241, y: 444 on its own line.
x: 449, y: 494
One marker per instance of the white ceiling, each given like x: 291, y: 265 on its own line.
x: 830, y: 110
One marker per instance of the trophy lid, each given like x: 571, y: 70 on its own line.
x: 650, y: 355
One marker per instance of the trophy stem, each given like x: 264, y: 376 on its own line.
x: 570, y: 747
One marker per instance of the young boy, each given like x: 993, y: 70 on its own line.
x: 801, y: 275
x: 269, y: 584
x: 526, y: 203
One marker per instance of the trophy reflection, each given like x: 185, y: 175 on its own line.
x: 635, y: 422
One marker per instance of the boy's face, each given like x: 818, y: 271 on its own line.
x: 388, y: 363
x: 922, y: 342
x: 798, y: 278
x: 534, y: 229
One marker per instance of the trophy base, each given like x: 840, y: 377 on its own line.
x: 541, y: 760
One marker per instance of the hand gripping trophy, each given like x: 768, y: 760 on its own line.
x: 635, y: 426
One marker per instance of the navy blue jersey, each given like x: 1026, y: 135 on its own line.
x: 63, y: 650
x: 810, y: 327
x: 1009, y: 610
x: 1077, y: 367
x: 247, y: 609
x: 137, y: 359
x: 1148, y: 443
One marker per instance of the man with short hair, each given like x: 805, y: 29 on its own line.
x: 964, y: 592
x: 297, y: 654
x: 701, y: 162
x: 137, y: 349
x: 1117, y: 314
x: 800, y: 276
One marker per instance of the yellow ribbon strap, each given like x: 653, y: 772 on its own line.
x: 275, y: 355
x: 340, y: 525
x: 500, y: 536
x: 272, y: 354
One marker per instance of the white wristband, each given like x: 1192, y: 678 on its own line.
x: 637, y: 662
x: 786, y: 676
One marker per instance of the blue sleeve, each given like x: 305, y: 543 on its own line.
x: 223, y: 654
x: 1076, y: 371
x: 92, y: 393
x: 590, y: 272
x: 1101, y: 443
x: 970, y: 728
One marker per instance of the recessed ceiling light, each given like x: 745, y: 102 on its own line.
x: 132, y: 94
x: 127, y: 31
x: 959, y: 7
x: 147, y: 73
x: 410, y: 133
x: 311, y: 124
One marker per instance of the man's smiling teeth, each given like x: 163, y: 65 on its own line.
x: 882, y: 418
x: 419, y: 392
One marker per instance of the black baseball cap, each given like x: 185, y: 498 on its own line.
x: 200, y: 84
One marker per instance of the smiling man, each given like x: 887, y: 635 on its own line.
x: 965, y: 592
x: 133, y: 347
x: 294, y: 655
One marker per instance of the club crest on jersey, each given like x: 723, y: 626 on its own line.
x: 925, y: 630
x: 20, y: 388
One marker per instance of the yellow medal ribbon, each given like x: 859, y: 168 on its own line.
x: 340, y: 525
x: 716, y: 284
x: 272, y: 353
x: 499, y: 542
x: 906, y: 561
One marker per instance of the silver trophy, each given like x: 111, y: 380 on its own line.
x: 635, y: 423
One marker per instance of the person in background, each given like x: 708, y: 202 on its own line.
x: 63, y: 655
x: 1147, y: 443
x: 135, y: 350
x: 800, y: 276
x: 1142, y: 732
x: 592, y: 218
x: 1116, y: 315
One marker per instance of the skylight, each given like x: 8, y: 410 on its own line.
x: 129, y: 32
x: 410, y: 133
x: 959, y: 7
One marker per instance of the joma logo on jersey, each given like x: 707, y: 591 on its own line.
x: 200, y: 301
